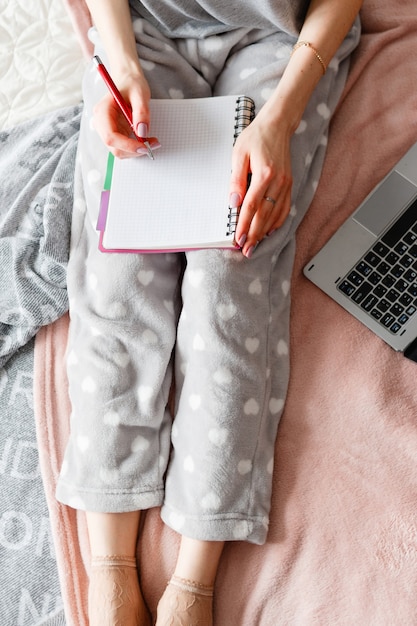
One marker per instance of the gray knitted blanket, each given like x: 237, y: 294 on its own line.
x: 36, y: 165
x: 37, y: 162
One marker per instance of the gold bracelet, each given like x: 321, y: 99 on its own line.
x: 316, y: 54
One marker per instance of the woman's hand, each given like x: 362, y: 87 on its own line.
x: 262, y: 151
x: 113, y: 127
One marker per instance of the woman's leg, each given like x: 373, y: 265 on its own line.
x: 114, y: 594
x: 113, y: 533
x: 198, y: 560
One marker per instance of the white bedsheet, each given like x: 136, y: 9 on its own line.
x: 41, y: 62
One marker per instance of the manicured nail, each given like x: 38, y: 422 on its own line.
x: 242, y: 240
x: 142, y: 129
x: 251, y: 250
x: 142, y: 151
x: 234, y: 200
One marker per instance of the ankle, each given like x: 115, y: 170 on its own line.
x: 114, y: 560
x: 193, y: 586
x: 198, y: 560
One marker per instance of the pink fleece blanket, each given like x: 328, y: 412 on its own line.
x: 342, y: 546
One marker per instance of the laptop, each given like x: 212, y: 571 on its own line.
x: 369, y: 266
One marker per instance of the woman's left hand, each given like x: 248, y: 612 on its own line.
x: 262, y: 151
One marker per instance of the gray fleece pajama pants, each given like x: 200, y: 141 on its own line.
x: 216, y: 322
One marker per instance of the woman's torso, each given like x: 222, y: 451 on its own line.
x: 203, y: 18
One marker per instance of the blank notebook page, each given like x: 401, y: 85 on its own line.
x: 186, y: 186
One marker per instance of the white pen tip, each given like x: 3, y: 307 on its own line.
x: 149, y: 149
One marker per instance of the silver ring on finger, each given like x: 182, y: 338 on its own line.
x: 269, y: 199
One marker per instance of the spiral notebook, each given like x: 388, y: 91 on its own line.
x: 179, y: 200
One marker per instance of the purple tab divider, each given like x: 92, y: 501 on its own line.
x: 102, y: 215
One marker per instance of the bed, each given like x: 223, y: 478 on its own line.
x: 342, y: 546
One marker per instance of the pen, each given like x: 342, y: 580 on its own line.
x: 120, y: 101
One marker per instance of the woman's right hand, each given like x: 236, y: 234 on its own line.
x: 113, y: 127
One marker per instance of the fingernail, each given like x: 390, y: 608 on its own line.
x: 241, y: 241
x: 142, y: 151
x: 142, y: 129
x: 234, y: 200
x: 250, y: 251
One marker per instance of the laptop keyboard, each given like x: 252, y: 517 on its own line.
x: 384, y: 281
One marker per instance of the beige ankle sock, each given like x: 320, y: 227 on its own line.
x: 114, y: 595
x: 185, y: 603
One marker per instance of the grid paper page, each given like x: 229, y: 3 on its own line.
x: 185, y: 189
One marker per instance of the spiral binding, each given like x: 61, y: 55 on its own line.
x: 232, y: 221
x: 245, y: 112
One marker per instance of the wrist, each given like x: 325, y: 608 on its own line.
x: 287, y: 103
x: 122, y: 64
x: 283, y: 113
